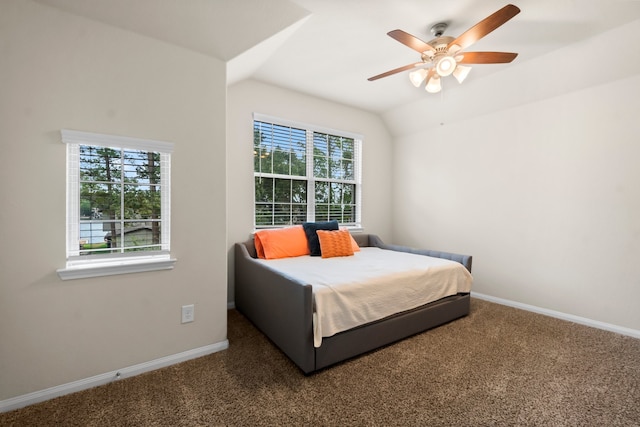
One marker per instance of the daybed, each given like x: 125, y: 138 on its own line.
x: 282, y: 308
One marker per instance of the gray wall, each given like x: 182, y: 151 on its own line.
x: 61, y: 71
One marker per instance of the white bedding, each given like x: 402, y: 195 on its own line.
x: 372, y: 284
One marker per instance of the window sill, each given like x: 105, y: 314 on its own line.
x: 115, y: 267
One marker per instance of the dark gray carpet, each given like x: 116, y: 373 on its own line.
x: 499, y: 366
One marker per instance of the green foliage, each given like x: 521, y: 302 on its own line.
x: 86, y: 246
x: 106, y: 173
x: 109, y: 177
x: 279, y: 150
x: 85, y: 208
x: 280, y: 153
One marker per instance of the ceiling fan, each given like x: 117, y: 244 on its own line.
x: 444, y: 55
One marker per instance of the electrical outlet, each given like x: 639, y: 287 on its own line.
x: 188, y: 313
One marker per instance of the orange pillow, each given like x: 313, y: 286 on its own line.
x: 335, y: 243
x: 281, y: 243
x: 354, y: 244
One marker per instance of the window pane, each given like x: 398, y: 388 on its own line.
x: 281, y: 161
x: 333, y: 156
x: 264, y: 214
x: 349, y: 214
x: 336, y: 193
x: 348, y: 193
x: 335, y: 212
x: 141, y: 201
x: 340, y: 204
x: 341, y: 155
x: 264, y: 189
x: 281, y: 214
x: 141, y: 166
x: 262, y: 159
x: 99, y: 164
x: 347, y: 169
x: 289, y: 199
x: 320, y: 167
x: 262, y: 146
x: 92, y: 237
x: 282, y: 191
x: 320, y: 144
x: 299, y: 155
x: 99, y: 201
x: 320, y: 155
x: 140, y: 236
x: 335, y: 149
x: 265, y: 159
x: 279, y: 149
x: 322, y: 213
x: 298, y: 191
x: 298, y: 214
x: 347, y: 148
x: 322, y: 192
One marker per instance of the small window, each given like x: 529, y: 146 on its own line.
x: 118, y: 201
x: 305, y: 173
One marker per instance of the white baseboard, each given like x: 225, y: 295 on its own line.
x: 559, y: 315
x: 72, y: 387
x: 231, y: 305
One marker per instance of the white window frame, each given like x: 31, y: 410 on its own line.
x: 310, y: 129
x: 104, y: 265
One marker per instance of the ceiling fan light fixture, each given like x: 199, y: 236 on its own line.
x: 445, y: 65
x: 418, y: 76
x: 461, y: 72
x: 433, y: 85
x: 443, y: 54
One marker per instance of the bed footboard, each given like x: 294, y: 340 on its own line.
x: 280, y: 307
x: 465, y: 260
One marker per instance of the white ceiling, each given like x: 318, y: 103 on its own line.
x: 328, y: 48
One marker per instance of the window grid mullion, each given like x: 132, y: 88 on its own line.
x: 121, y: 179
x: 273, y: 197
x: 311, y: 184
x: 281, y: 134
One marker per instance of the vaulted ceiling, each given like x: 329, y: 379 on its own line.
x: 328, y: 48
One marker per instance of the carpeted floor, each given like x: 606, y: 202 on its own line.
x: 499, y: 366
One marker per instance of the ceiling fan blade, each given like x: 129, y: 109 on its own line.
x: 411, y: 41
x: 485, y: 26
x: 487, y: 57
x: 394, y: 71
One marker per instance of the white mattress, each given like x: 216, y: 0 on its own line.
x: 371, y: 285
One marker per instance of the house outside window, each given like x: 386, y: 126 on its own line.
x: 118, y: 204
x: 305, y: 173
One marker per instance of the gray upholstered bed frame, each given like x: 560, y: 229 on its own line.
x: 281, y: 308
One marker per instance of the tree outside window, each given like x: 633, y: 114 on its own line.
x: 302, y: 174
x: 119, y: 200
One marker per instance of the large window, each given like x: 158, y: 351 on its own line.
x: 118, y: 201
x: 304, y: 173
